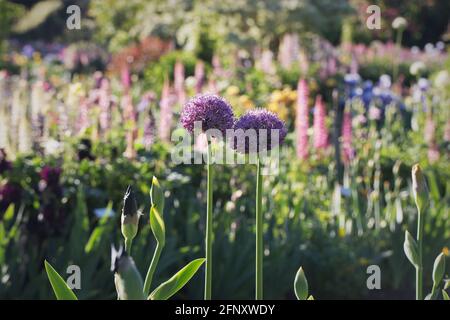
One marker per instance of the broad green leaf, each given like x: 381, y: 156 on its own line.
x: 157, y: 225
x: 410, y: 248
x: 60, y: 287
x: 157, y: 196
x: 178, y: 281
x: 301, y: 285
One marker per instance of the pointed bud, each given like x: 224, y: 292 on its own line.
x: 157, y: 226
x: 420, y: 188
x: 410, y: 248
x: 127, y: 279
x: 157, y: 196
x: 130, y: 215
x: 301, y: 285
x: 439, y: 269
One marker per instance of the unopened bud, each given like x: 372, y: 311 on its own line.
x: 420, y: 189
x: 130, y: 215
x: 127, y: 279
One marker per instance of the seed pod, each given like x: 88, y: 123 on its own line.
x: 420, y: 188
x: 157, y: 196
x: 439, y: 269
x: 128, y: 280
x: 130, y: 215
x: 301, y: 285
x: 410, y: 248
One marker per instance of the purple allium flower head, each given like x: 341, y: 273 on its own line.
x: 259, y: 119
x: 211, y: 110
x: 50, y: 175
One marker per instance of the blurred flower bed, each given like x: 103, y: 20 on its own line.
x: 79, y: 123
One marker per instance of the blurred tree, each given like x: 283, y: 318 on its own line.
x: 243, y: 23
x: 428, y: 20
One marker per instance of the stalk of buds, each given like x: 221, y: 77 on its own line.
x: 413, y: 249
x: 129, y: 218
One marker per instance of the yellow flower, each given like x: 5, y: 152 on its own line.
x: 446, y: 251
x: 276, y: 96
x: 232, y: 91
x: 363, y: 261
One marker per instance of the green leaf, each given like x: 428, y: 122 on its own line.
x: 410, y: 248
x: 439, y: 269
x: 9, y: 213
x: 301, y: 285
x: 445, y: 295
x: 98, y: 234
x: 60, y: 287
x: 178, y: 281
x: 157, y: 225
x: 37, y: 15
x: 157, y: 195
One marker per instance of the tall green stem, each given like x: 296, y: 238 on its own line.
x: 128, y: 242
x: 152, y: 268
x: 259, y: 234
x: 209, y: 226
x: 419, y: 268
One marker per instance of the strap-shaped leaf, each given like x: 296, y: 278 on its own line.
x: 178, y: 281
x: 60, y: 287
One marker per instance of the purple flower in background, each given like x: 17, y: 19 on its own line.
x: 259, y: 119
x: 302, y: 119
x: 9, y: 193
x: 199, y: 75
x: 211, y: 110
x: 50, y: 175
x: 28, y: 50
x: 5, y: 165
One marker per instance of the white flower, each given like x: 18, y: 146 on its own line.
x: 385, y: 81
x: 423, y: 84
x: 399, y: 23
x: 442, y: 79
x: 417, y: 67
x: 52, y: 147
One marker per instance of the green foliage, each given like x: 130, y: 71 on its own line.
x: 157, y: 71
x: 178, y: 281
x: 60, y: 287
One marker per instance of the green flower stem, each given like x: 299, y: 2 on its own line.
x: 259, y: 234
x: 209, y: 226
x: 152, y: 268
x: 419, y: 268
x: 128, y: 242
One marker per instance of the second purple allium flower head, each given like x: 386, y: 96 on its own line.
x: 258, y: 120
x: 212, y: 111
